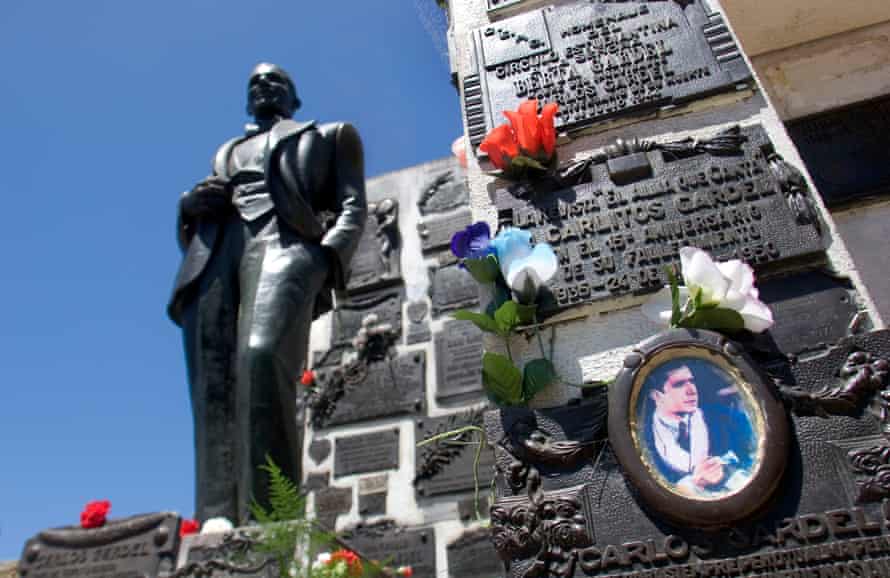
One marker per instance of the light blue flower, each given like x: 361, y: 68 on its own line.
x: 525, y: 267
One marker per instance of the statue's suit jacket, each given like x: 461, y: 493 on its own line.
x: 309, y: 170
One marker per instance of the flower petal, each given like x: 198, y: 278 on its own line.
x: 699, y: 270
x: 459, y: 150
x: 500, y: 146
x: 460, y: 244
x: 479, y: 239
x: 510, y: 244
x: 739, y: 274
x: 542, y: 261
x: 659, y: 307
x: 547, y: 129
x: 757, y: 316
x: 525, y: 127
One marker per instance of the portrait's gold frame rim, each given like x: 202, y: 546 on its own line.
x: 718, y: 359
x: 772, y: 425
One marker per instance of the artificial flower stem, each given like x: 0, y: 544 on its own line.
x: 509, y: 352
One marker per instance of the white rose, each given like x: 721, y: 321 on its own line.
x: 217, y: 526
x: 728, y: 285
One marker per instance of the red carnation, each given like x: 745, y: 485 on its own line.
x: 353, y: 564
x: 308, y: 378
x: 188, y: 526
x: 94, y: 514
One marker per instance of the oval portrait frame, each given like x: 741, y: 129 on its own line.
x: 770, y: 422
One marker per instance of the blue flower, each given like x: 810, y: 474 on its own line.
x: 474, y: 242
x: 524, y: 266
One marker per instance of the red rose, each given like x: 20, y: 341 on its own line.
x: 525, y: 127
x: 188, y: 526
x: 548, y: 130
x: 94, y: 514
x: 308, y: 378
x: 527, y: 134
x: 405, y: 571
x: 500, y: 146
x: 353, y: 563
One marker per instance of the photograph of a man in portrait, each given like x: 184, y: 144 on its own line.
x: 695, y: 423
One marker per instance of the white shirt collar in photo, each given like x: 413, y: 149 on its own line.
x: 666, y: 432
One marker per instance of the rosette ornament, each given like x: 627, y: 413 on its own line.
x: 527, y: 144
x: 719, y: 296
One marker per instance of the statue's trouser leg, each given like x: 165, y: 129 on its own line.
x: 280, y: 278
x: 209, y: 325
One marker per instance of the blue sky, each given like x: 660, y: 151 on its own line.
x: 108, y: 110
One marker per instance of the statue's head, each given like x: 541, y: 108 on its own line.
x: 271, y: 92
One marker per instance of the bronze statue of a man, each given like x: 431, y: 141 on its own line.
x: 266, y: 238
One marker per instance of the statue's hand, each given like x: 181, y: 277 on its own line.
x: 212, y: 197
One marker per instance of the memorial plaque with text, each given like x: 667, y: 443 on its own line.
x: 389, y: 387
x: 349, y: 314
x: 473, y: 556
x: 599, y: 61
x: 452, y: 287
x: 436, y: 231
x: 137, y: 546
x: 370, y: 452
x: 376, y: 260
x: 827, y: 514
x: 614, y: 240
x: 846, y: 151
x: 398, y: 546
x: 446, y: 466
x: 458, y: 361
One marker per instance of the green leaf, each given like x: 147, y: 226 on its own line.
x: 716, y: 318
x: 526, y: 313
x: 501, y: 378
x: 485, y: 270
x: 522, y: 161
x: 480, y: 320
x: 512, y: 314
x: 537, y: 375
x: 675, y: 296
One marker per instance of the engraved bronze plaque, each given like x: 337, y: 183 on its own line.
x: 398, y: 546
x: 846, y: 151
x: 436, y: 231
x: 599, y: 61
x: 143, y: 545
x: 444, y: 191
x: 473, y: 556
x: 447, y: 466
x: 562, y: 512
x: 614, y: 240
x: 226, y: 555
x: 379, y: 389
x: 330, y: 502
x: 458, y: 361
x: 370, y: 452
x: 452, y: 287
x: 385, y: 306
x: 377, y: 259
